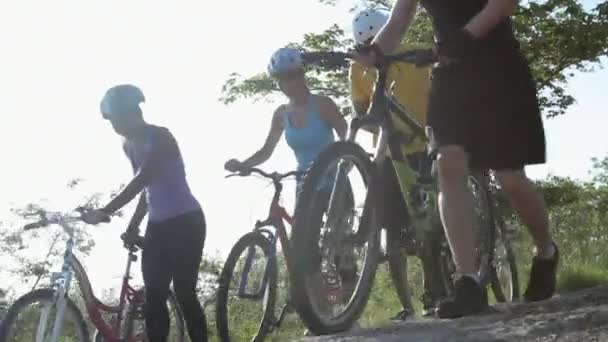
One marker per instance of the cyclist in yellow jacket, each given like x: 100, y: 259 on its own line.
x: 410, y: 87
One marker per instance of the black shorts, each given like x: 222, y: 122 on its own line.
x: 489, y: 106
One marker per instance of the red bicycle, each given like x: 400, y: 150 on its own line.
x: 256, y: 278
x: 56, y: 317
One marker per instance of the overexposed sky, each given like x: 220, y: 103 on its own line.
x: 59, y: 57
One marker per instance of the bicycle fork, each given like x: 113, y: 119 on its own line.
x: 245, y: 276
x: 59, y: 302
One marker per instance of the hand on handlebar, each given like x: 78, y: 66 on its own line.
x: 233, y: 165
x: 95, y: 216
x: 367, y: 55
x: 132, y: 238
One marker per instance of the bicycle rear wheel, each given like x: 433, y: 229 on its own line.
x: 328, y: 299
x: 484, y: 232
x: 20, y: 324
x: 236, y: 279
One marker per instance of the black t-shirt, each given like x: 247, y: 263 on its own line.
x: 449, y: 16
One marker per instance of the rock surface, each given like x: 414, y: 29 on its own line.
x: 578, y: 316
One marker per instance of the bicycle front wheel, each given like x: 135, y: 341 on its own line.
x: 32, y: 317
x: 249, y: 277
x: 333, y: 228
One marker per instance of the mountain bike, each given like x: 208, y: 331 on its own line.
x: 313, y: 236
x: 256, y: 278
x: 59, y: 319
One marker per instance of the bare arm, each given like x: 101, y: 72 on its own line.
x: 276, y: 130
x: 392, y: 32
x: 331, y: 114
x: 140, y: 212
x: 492, y: 14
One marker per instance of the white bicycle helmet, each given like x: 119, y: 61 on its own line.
x: 120, y: 100
x: 368, y: 22
x: 284, y: 60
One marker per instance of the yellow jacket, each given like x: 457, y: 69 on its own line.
x: 410, y: 87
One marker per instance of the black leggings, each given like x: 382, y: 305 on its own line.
x: 173, y: 251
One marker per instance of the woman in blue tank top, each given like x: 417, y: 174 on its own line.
x: 174, y: 238
x: 308, y: 120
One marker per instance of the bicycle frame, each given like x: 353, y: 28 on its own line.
x: 61, y: 282
x: 391, y: 140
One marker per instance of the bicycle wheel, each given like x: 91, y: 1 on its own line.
x: 484, y: 232
x: 504, y: 280
x: 20, y: 324
x: 177, y: 330
x: 326, y: 301
x: 256, y: 280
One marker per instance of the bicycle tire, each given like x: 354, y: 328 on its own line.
x: 42, y: 295
x: 486, y: 242
x: 301, y: 240
x: 496, y: 285
x: 246, y: 241
x: 488, y: 228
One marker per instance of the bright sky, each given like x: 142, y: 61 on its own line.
x: 59, y: 57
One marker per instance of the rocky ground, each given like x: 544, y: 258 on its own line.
x: 579, y: 316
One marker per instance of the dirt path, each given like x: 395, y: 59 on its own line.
x: 580, y: 316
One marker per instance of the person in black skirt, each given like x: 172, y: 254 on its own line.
x: 483, y: 113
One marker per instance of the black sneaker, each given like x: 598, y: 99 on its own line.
x: 543, y: 276
x: 402, y: 315
x: 469, y: 298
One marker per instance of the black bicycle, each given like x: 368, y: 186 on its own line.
x: 315, y: 238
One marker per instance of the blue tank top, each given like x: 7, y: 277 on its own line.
x: 308, y: 141
x: 168, y: 195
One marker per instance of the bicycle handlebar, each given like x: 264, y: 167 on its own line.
x: 274, y: 176
x: 50, y: 218
x: 417, y: 57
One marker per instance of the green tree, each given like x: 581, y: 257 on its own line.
x: 558, y: 36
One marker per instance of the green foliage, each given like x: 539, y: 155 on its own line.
x: 557, y: 36
x: 574, y: 277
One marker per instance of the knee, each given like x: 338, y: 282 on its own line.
x: 512, y: 181
x: 155, y: 297
x: 186, y: 297
x: 452, y: 166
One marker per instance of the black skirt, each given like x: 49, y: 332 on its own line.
x: 489, y: 106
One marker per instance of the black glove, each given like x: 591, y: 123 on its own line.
x: 457, y: 46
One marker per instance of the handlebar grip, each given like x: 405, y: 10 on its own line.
x: 31, y: 226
